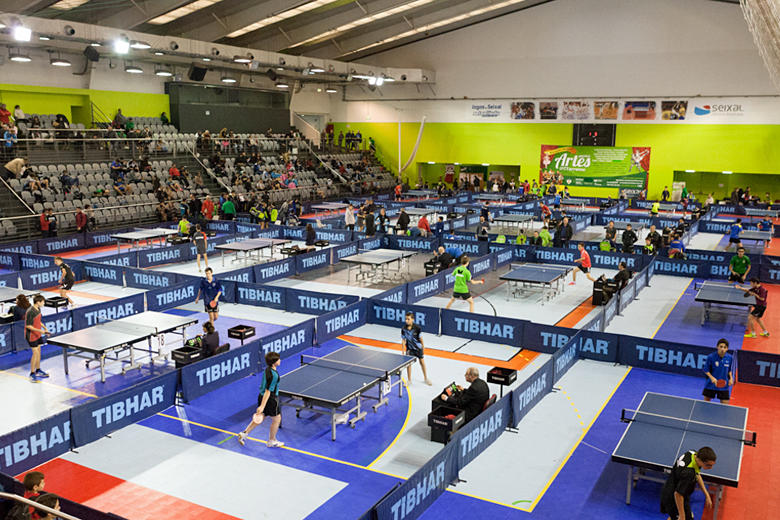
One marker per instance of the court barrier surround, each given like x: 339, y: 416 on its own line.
x: 9, y: 280
x: 336, y: 323
x: 393, y: 314
x: 208, y: 374
x: 104, y: 273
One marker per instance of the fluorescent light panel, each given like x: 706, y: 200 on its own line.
x: 284, y: 15
x: 182, y: 11
x: 436, y: 25
x: 64, y: 5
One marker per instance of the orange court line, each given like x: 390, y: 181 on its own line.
x: 575, y: 316
x: 518, y: 362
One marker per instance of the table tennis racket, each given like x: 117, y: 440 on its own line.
x: 450, y: 416
x: 721, y: 383
x: 213, y: 303
x: 448, y: 390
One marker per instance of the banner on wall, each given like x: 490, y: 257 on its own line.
x: 595, y: 166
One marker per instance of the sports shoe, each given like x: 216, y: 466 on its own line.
x: 41, y: 374
x: 428, y: 382
x: 572, y: 283
x: 275, y: 444
x: 34, y: 377
x: 750, y: 335
x: 765, y: 334
x: 241, y: 438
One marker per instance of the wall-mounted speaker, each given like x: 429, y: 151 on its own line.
x: 196, y: 73
x: 91, y: 53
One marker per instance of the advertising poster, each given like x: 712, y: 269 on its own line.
x: 522, y: 110
x: 595, y: 166
x: 577, y: 110
x: 673, y: 110
x: 639, y: 110
x: 605, y: 109
x: 548, y: 110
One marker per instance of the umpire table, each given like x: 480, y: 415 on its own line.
x: 713, y: 293
x: 550, y: 278
x: 329, y: 384
x: 98, y: 342
x: 664, y: 427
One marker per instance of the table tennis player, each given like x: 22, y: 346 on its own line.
x: 462, y: 279
x: 211, y: 290
x: 412, y: 345
x: 719, y: 372
x: 685, y: 475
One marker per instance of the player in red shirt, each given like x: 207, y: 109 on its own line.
x: 756, y: 311
x: 424, y: 226
x: 207, y: 208
x: 584, y: 261
x: 546, y: 213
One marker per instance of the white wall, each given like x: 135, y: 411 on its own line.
x: 593, y: 48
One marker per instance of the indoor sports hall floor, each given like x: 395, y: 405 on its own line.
x: 186, y: 461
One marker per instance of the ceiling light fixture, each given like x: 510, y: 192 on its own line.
x: 121, y: 45
x: 139, y: 45
x: 134, y: 69
x: 379, y: 81
x: 284, y: 15
x: 228, y: 79
x: 59, y: 61
x: 182, y: 11
x: 44, y: 38
x: 95, y: 44
x: 206, y: 58
x: 65, y: 5
x: 163, y: 71
x: 243, y: 59
x: 22, y: 33
x: 159, y: 53
x: 18, y: 56
x: 280, y: 84
x: 331, y: 90
x: 690, y: 171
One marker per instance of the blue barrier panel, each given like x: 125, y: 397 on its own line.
x: 411, y: 244
x: 123, y: 259
x: 208, y: 374
x: 111, y: 310
x: 626, y: 296
x: 341, y: 321
x: 6, y: 339
x: 245, y: 275
x: 610, y: 310
x: 611, y: 260
x: 103, y: 273
x: 251, y: 229
x: 169, y: 297
x: 312, y: 302
x: 758, y: 368
x: 228, y: 291
x: 482, y: 265
x: 556, y: 255
x: 664, y: 356
x: 21, y: 247
x: 49, y: 276
x: 394, y: 315
x: 262, y: 295
x: 34, y: 261
x: 272, y: 232
x: 221, y: 226
x: 311, y: 261
x: 292, y: 233
x: 690, y: 268
x: 425, y: 287
x: 95, y: 419
x: 493, y: 329
x: 10, y: 280
x: 370, y: 243
x: 334, y: 235
x: 770, y: 269
x: 102, y: 238
x: 641, y: 281
x: 504, y: 255
x: 344, y: 251
x: 164, y: 255
x: 49, y: 246
x: 289, y: 341
x: 600, y: 346
x: 185, y: 278
x: 469, y: 247
x: 531, y: 391
x: 596, y: 323
x: 410, y: 500
x: 565, y: 358
x: 477, y: 435
x: 32, y: 445
x: 545, y: 338
x: 149, y: 279
x: 650, y: 270
x: 9, y: 260
x: 395, y: 295
x: 274, y: 270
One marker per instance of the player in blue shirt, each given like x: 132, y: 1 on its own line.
x: 719, y: 368
x: 267, y: 402
x: 766, y: 225
x: 454, y: 251
x: 557, y: 201
x: 734, y: 231
x: 211, y: 290
x: 412, y: 345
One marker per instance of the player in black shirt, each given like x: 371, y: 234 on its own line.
x: 412, y: 345
x: 629, y: 238
x: 685, y: 474
x: 66, y: 279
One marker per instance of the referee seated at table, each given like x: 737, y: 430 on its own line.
x: 619, y: 280
x: 471, y: 400
x: 448, y: 256
x: 209, y: 342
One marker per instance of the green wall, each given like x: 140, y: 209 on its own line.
x: 75, y: 103
x: 738, y: 148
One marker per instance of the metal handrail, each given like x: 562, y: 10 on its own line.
x: 36, y: 505
x: 327, y: 166
x: 17, y: 195
x: 206, y: 169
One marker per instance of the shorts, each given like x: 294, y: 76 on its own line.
x: 734, y: 241
x: 210, y: 309
x: 200, y: 248
x: 415, y: 352
x: 67, y: 285
x: 461, y: 295
x: 271, y: 407
x: 35, y: 343
x: 584, y: 269
x: 758, y: 311
x: 723, y: 395
x: 736, y: 277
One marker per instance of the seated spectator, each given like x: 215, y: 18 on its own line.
x: 174, y: 172
x: 311, y: 237
x: 49, y: 500
x: 164, y: 119
x: 19, y: 309
x: 210, y: 339
x: 121, y: 188
x: 119, y: 119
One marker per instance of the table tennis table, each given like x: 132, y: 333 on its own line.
x: 714, y: 293
x: 511, y: 220
x: 143, y: 235
x: 9, y: 294
x: 374, y: 265
x: 423, y: 194
x: 759, y: 237
x: 757, y: 212
x: 330, y: 384
x: 330, y: 207
x: 112, y: 338
x: 250, y: 246
x: 571, y: 202
x: 668, y: 207
x: 664, y: 427
x: 550, y: 278
x: 490, y: 197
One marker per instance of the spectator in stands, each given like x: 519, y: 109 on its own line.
x: 5, y: 115
x: 44, y: 223
x: 33, y: 482
x: 19, y: 116
x: 174, y: 172
x: 341, y: 138
x: 49, y: 500
x: 91, y: 222
x: 228, y: 209
x: 119, y: 119
x: 665, y: 194
x: 19, y: 309
x: 121, y: 188
x: 14, y: 168
x: 9, y: 142
x: 164, y: 118
x: 629, y: 238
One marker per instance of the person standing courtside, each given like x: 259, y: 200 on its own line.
x: 34, y: 331
x: 211, y: 290
x: 201, y: 246
x: 66, y: 279
x: 412, y: 345
x: 267, y: 403
x: 682, y: 481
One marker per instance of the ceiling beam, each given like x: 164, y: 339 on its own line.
x: 28, y: 7
x: 139, y: 12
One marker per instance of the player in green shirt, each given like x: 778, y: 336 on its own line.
x: 228, y: 210
x: 544, y: 234
x: 462, y: 279
x: 739, y: 266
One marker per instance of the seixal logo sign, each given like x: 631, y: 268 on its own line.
x: 724, y: 109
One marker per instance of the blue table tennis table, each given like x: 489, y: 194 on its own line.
x: 336, y: 383
x: 550, y: 278
x: 757, y: 212
x: 714, y: 293
x: 423, y: 194
x: 759, y: 237
x: 664, y: 427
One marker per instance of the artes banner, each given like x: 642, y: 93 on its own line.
x: 596, y: 166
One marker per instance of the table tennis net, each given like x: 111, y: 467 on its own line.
x: 136, y: 329
x: 688, y: 425
x: 344, y: 366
